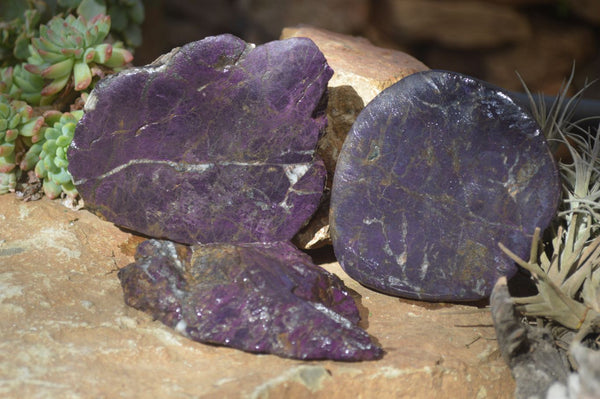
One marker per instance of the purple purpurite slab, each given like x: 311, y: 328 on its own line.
x: 214, y: 142
x: 435, y: 172
x: 263, y: 298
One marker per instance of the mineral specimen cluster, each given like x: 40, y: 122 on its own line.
x: 211, y: 151
x: 436, y: 171
x: 213, y: 147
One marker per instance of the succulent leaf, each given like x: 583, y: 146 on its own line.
x: 27, y: 86
x: 103, y: 53
x: 53, y: 163
x: 58, y: 69
x: 55, y: 86
x: 32, y: 156
x: 51, y: 189
x: 6, y: 149
x: 16, y: 121
x: 82, y: 75
x: 118, y: 17
x: 8, y: 182
x: 6, y: 80
x: 119, y: 57
x: 89, y: 8
x: 18, y: 22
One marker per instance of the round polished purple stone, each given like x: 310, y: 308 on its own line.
x: 436, y: 171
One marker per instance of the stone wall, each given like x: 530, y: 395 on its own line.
x: 488, y: 39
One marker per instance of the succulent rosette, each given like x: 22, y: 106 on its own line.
x: 52, y: 164
x: 18, y: 24
x: 20, y: 84
x: 16, y: 121
x: 126, y: 16
x: 28, y: 86
x: 6, y: 80
x: 68, y: 48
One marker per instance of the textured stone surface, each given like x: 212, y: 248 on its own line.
x: 214, y: 142
x: 587, y: 9
x: 65, y: 331
x: 265, y: 19
x: 456, y: 24
x: 361, y: 71
x: 435, y: 172
x: 356, y: 62
x: 545, y: 60
x: 263, y: 298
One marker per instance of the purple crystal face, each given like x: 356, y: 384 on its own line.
x: 263, y: 298
x: 436, y: 171
x: 213, y: 142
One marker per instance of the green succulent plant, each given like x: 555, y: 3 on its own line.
x: 6, y: 81
x: 19, y: 20
x: 53, y: 163
x: 66, y: 49
x: 47, y: 54
x: 28, y: 86
x: 568, y: 278
x: 126, y: 16
x: 18, y: 128
x: 20, y: 84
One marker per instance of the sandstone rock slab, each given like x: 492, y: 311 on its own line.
x: 436, y: 171
x: 213, y: 142
x: 66, y: 331
x: 356, y: 62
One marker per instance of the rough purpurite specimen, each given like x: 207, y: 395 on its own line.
x: 435, y: 172
x: 213, y: 142
x: 264, y: 298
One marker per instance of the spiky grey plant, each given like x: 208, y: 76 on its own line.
x: 568, y: 279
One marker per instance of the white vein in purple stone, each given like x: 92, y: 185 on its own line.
x: 292, y: 171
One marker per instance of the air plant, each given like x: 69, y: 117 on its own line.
x: 567, y: 276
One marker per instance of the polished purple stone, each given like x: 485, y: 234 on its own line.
x: 436, y: 171
x: 263, y: 298
x: 213, y: 142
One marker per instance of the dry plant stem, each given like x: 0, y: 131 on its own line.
x: 568, y: 282
x: 553, y: 120
x: 552, y: 301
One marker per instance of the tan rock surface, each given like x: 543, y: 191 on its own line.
x: 361, y: 71
x: 544, y: 60
x: 456, y: 24
x: 587, y: 9
x: 66, y: 333
x: 368, y: 69
x: 265, y: 19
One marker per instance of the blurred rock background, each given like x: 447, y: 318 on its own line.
x: 488, y: 39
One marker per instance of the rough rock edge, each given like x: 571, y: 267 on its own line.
x: 539, y: 368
